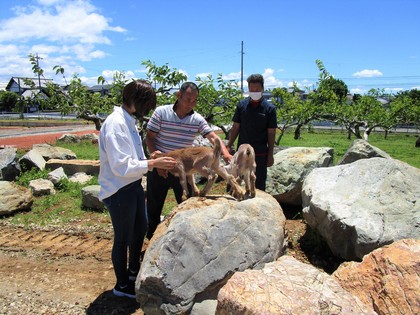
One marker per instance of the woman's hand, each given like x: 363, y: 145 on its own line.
x: 162, y: 164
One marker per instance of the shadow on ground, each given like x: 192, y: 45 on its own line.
x: 107, y: 303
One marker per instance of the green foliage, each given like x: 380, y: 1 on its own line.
x: 217, y: 101
x: 406, y: 107
x: 291, y: 109
x: 27, y: 175
x: 164, y: 79
x: 218, y: 98
x: 8, y: 100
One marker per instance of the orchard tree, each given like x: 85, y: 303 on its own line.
x: 290, y: 109
x: 406, y: 109
x: 217, y: 101
x: 329, y: 96
x: 8, y: 100
x: 324, y: 103
x: 164, y: 80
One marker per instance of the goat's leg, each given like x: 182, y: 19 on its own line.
x: 252, y: 178
x: 183, y: 182
x: 211, y: 178
x: 247, y: 180
x: 191, y: 181
x: 236, y: 189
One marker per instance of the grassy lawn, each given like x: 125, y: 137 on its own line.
x: 398, y: 145
x: 64, y: 208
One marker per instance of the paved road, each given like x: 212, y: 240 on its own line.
x: 21, y: 131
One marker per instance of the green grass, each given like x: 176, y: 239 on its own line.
x: 65, y: 207
x: 398, y: 145
x: 84, y: 150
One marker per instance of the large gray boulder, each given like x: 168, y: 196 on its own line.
x: 361, y: 149
x: 14, y: 198
x: 290, y: 168
x: 9, y: 165
x: 49, y: 152
x: 202, y: 243
x: 287, y: 286
x: 364, y: 205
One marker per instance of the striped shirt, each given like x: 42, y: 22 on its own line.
x: 175, y: 133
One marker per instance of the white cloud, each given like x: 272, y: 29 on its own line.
x: 203, y: 75
x: 9, y: 50
x: 393, y: 90
x: 357, y: 91
x: 270, y: 81
x: 109, y: 74
x: 43, y: 49
x: 367, y: 73
x: 232, y: 76
x: 49, y: 2
x: 72, y: 21
x: 62, y: 32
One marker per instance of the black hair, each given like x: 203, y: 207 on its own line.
x: 187, y: 85
x: 256, y: 78
x: 140, y: 94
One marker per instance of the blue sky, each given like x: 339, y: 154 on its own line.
x: 365, y: 43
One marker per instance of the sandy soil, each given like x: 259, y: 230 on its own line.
x: 57, y: 272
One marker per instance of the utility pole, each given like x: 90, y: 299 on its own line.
x: 39, y: 75
x: 242, y: 67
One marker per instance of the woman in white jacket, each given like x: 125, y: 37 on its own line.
x: 122, y: 165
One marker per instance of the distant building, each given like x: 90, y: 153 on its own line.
x: 103, y: 89
x: 18, y: 85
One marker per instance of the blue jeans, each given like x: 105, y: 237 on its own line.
x: 129, y: 220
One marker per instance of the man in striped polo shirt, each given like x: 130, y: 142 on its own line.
x: 173, y: 127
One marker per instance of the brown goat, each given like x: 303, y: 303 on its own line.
x: 243, y: 167
x: 205, y: 161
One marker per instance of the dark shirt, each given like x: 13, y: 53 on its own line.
x: 254, y: 122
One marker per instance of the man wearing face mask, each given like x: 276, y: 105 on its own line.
x: 255, y: 122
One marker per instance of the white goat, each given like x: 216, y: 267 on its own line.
x: 243, y: 167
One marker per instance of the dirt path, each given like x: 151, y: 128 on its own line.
x: 47, y: 272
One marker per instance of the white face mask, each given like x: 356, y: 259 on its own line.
x: 255, y: 96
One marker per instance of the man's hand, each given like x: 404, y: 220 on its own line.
x: 227, y: 158
x: 155, y: 154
